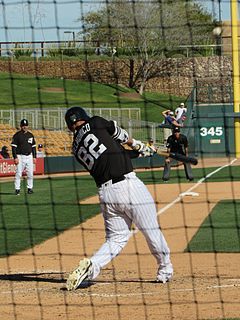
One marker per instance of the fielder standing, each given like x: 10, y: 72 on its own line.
x: 24, y: 154
x: 171, y: 121
x: 124, y: 199
x: 181, y: 113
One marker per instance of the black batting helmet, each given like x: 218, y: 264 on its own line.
x: 75, y: 114
x: 24, y: 122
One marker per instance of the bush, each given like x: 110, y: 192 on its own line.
x: 25, y: 58
x: 178, y: 55
x: 197, y: 54
x: 22, y: 51
x: 70, y: 51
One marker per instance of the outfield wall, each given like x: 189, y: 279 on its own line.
x: 69, y: 164
x: 8, y: 168
x: 209, y: 126
x: 213, y: 130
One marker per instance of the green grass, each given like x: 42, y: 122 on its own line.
x: 21, y: 91
x: 27, y: 220
x: 220, y: 231
x: 178, y: 175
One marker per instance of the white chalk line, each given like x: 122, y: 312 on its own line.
x: 111, y: 295
x: 162, y: 210
x: 179, y: 198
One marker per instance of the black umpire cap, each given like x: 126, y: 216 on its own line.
x: 24, y: 122
x: 176, y: 129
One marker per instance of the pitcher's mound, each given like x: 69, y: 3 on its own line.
x: 52, y: 89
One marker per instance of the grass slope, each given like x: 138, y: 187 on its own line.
x: 21, y: 91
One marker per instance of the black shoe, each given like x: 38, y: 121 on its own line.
x: 17, y: 192
x: 30, y: 191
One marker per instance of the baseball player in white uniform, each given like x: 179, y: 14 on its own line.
x: 180, y: 113
x: 124, y: 199
x: 24, y: 154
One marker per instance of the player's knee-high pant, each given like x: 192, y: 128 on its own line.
x: 167, y: 169
x: 124, y: 203
x: 188, y: 171
x: 25, y: 163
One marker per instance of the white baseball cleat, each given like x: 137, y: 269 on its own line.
x: 164, y: 277
x: 77, y: 276
x: 164, y: 273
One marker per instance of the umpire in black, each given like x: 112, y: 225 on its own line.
x: 178, y: 143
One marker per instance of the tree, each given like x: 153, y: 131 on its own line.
x: 148, y: 30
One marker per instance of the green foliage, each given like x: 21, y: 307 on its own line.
x: 197, y: 54
x: 162, y: 25
x: 26, y: 58
x: 144, y: 30
x: 21, y: 51
x: 175, y: 54
x: 71, y: 51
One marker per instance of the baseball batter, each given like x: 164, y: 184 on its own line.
x: 124, y: 199
x: 24, y: 154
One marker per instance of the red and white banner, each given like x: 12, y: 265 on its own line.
x: 8, y: 168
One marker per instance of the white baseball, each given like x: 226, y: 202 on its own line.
x: 217, y: 31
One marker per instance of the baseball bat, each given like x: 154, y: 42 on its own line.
x: 177, y: 156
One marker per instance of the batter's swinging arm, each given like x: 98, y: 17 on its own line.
x: 149, y: 151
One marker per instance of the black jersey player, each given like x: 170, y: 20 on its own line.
x: 124, y: 199
x: 24, y: 154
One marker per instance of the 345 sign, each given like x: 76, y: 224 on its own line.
x: 211, y: 131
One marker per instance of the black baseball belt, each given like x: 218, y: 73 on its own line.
x: 113, y: 181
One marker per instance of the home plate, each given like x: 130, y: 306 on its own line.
x: 190, y: 193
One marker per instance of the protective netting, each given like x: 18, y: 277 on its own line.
x: 127, y: 61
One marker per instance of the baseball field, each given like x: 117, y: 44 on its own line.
x: 60, y: 224
x: 166, y: 73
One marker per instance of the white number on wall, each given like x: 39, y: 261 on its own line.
x: 213, y: 131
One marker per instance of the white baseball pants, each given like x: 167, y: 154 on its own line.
x: 122, y: 204
x: 25, y: 163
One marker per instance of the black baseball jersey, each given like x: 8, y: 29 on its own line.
x: 177, y: 145
x: 98, y: 152
x: 23, y: 143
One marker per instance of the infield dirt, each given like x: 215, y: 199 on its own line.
x: 204, y: 286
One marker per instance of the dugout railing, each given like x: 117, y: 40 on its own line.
x: 53, y: 118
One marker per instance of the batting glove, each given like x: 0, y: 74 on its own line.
x: 141, y: 148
